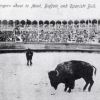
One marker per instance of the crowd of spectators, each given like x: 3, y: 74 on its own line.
x: 53, y: 32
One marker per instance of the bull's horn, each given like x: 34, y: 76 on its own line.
x: 57, y: 73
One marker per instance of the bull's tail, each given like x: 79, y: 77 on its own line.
x: 95, y: 70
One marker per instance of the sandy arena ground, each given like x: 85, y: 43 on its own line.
x: 21, y: 82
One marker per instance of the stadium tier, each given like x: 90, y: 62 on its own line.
x: 65, y: 31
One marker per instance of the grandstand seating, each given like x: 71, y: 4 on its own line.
x: 82, y: 31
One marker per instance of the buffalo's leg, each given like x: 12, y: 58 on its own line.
x: 30, y: 62
x: 87, y: 82
x: 66, y: 86
x: 85, y: 86
x: 91, y: 84
x: 71, y: 85
x: 27, y: 62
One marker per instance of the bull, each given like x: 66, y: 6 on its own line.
x: 68, y: 72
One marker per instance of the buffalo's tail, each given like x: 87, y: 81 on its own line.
x: 95, y: 70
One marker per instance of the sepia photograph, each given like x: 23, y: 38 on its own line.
x: 49, y: 50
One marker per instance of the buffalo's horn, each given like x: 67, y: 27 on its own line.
x: 57, y: 73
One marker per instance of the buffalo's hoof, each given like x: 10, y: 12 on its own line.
x: 89, y: 89
x: 65, y: 90
x: 27, y: 64
x: 31, y: 64
x: 84, y: 89
x: 69, y: 91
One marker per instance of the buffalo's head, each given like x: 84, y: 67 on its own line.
x: 53, y: 76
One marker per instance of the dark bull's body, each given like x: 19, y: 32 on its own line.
x: 29, y: 55
x: 70, y: 71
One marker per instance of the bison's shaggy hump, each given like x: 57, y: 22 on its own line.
x: 65, y: 66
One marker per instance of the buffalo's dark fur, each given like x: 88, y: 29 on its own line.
x: 29, y: 55
x: 70, y: 71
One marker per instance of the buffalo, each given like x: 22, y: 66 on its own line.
x: 29, y: 55
x: 68, y: 72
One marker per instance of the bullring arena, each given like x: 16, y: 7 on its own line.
x: 21, y: 82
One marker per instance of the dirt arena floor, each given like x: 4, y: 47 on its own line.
x: 21, y: 82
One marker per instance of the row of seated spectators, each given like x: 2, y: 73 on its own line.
x: 52, y: 36
x: 6, y: 36
x: 58, y: 36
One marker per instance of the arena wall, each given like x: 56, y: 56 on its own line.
x: 21, y: 47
